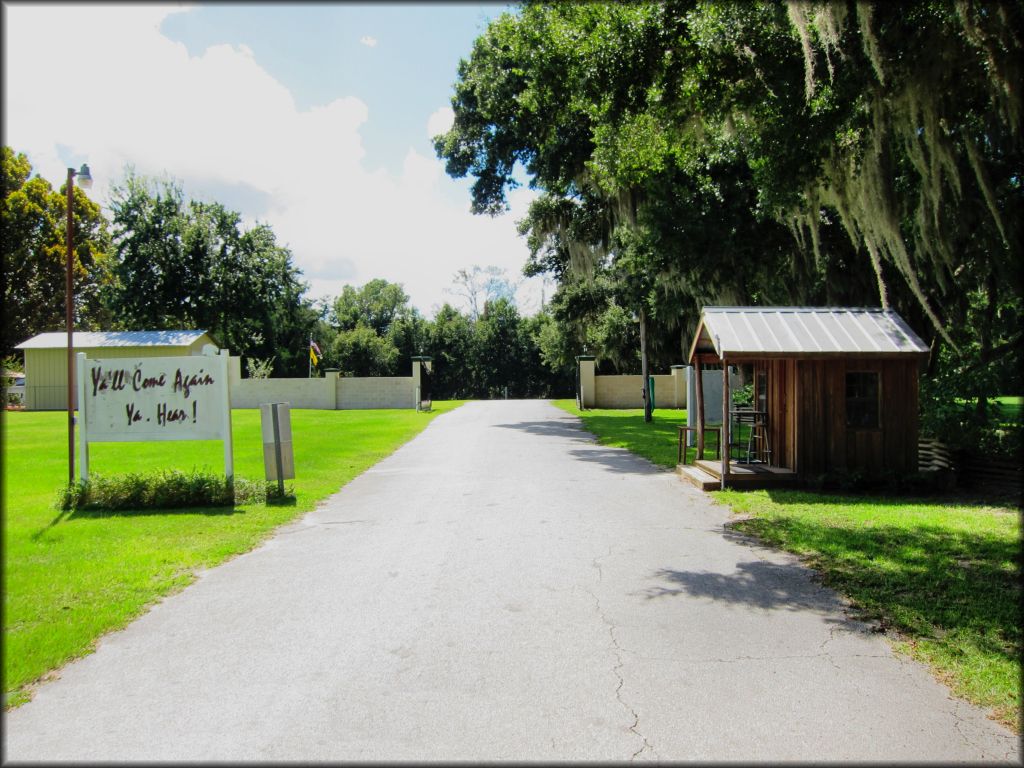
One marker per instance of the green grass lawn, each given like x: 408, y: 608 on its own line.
x: 1011, y: 409
x: 943, y: 574
x: 69, y: 578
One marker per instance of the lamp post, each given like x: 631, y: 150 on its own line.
x: 85, y: 181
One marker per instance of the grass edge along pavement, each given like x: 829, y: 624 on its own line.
x: 940, y: 576
x: 71, y: 577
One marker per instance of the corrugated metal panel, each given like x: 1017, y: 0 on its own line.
x: 98, y: 339
x: 809, y: 330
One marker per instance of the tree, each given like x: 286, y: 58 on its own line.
x: 450, y: 343
x: 181, y: 264
x: 478, y: 285
x: 506, y: 356
x: 562, y: 90
x: 762, y: 153
x: 375, y: 305
x: 409, y: 335
x: 551, y: 365
x: 361, y: 352
x: 383, y: 309
x: 35, y: 255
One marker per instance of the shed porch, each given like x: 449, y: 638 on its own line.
x: 707, y: 475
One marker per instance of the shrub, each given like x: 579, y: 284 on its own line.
x: 168, y: 489
x: 959, y: 423
x: 857, y: 482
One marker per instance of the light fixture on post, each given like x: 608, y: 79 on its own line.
x: 85, y: 181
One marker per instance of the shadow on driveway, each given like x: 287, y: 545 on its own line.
x: 618, y: 460
x: 551, y: 429
x: 613, y: 459
x: 771, y: 586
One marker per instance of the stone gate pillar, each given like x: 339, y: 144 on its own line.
x: 585, y: 381
x: 421, y: 364
x: 678, y: 386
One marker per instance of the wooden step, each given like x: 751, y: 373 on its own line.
x: 697, y: 477
x: 748, y: 475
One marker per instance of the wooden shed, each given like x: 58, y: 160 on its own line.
x: 835, y: 390
x: 46, y: 372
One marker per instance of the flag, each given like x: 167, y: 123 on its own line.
x: 313, y: 350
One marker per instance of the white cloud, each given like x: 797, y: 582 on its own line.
x: 440, y: 121
x: 219, y: 120
x: 368, y: 41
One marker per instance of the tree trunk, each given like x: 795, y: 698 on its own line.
x: 988, y: 320
x: 643, y: 365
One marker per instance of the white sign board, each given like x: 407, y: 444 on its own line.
x: 154, y: 399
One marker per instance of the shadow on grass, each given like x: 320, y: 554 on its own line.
x: 959, y: 498
x: 96, y: 513
x: 926, y: 580
x: 56, y: 521
x: 282, y: 501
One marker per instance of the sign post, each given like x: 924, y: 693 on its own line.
x: 155, y: 399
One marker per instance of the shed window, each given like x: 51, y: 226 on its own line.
x: 862, y: 400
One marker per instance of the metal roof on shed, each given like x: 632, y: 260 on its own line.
x: 97, y: 339
x: 804, y: 332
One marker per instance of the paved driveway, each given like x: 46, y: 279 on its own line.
x: 503, y: 588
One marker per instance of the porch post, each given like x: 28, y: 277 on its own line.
x: 700, y: 407
x: 725, y: 420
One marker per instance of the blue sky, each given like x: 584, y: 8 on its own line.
x: 313, y: 118
x: 407, y: 68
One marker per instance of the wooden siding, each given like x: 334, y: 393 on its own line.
x: 782, y: 416
x: 46, y: 372
x: 826, y: 444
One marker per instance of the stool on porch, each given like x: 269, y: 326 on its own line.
x: 686, y: 430
x: 755, y: 423
x: 757, y: 442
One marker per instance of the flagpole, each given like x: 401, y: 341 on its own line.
x: 309, y: 355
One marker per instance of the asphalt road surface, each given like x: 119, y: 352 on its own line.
x: 503, y: 588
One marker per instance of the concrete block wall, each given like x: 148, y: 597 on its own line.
x: 301, y: 393
x: 331, y: 392
x: 377, y: 392
x: 626, y: 391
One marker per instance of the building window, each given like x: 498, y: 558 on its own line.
x: 862, y: 400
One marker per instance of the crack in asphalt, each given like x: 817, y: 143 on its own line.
x: 957, y: 722
x: 826, y: 654
x: 342, y: 522
x: 616, y: 670
x: 600, y: 572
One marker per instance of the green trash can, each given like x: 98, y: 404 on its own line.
x: 650, y: 388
